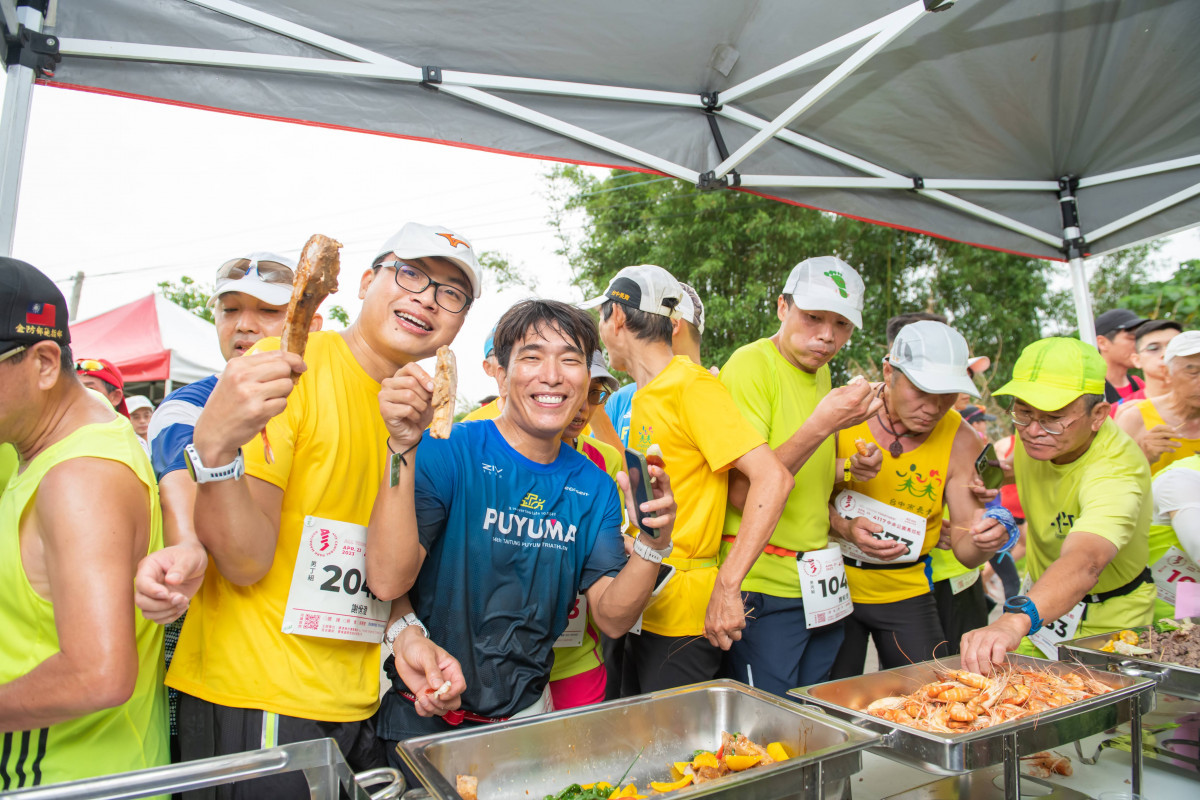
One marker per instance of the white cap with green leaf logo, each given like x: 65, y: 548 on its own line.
x: 826, y: 283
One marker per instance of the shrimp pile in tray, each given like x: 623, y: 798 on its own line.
x: 963, y: 701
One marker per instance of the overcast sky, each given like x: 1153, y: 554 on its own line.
x: 134, y: 193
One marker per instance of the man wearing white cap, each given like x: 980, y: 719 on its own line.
x: 782, y: 387
x: 928, y: 463
x: 281, y: 643
x: 689, y: 415
x: 1167, y: 428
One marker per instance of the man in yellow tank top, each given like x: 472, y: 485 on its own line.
x: 1167, y: 428
x: 929, y: 457
x: 1085, y: 488
x: 81, y: 690
x: 282, y: 641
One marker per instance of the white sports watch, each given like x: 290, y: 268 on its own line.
x: 649, y: 553
x: 393, y: 631
x: 202, y: 474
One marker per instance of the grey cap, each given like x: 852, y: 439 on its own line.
x: 600, y: 372
x: 934, y: 357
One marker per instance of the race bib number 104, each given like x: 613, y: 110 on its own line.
x: 329, y: 596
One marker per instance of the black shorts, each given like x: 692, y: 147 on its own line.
x: 207, y: 729
x: 905, y: 632
x: 653, y: 662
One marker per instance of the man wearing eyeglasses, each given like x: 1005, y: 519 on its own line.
x: 80, y: 670
x: 1085, y: 488
x: 281, y: 642
x: 1167, y: 427
x: 1152, y: 340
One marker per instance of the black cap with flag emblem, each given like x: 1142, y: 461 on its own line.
x: 32, y: 308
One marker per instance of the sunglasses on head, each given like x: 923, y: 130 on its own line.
x: 268, y: 271
x: 14, y: 352
x: 89, y: 365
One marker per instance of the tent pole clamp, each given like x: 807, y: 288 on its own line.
x: 711, y: 101
x: 1074, y: 244
x: 708, y: 180
x: 430, y: 77
x: 918, y: 183
x: 37, y: 51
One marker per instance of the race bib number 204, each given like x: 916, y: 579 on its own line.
x: 329, y: 596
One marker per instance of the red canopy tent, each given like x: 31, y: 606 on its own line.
x: 150, y: 339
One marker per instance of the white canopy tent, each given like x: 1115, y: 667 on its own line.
x: 1001, y: 124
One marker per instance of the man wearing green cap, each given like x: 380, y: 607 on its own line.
x: 1085, y: 486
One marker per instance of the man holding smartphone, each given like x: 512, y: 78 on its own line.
x: 690, y: 415
x: 928, y: 464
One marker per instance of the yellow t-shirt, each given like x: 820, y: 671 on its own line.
x: 776, y: 398
x: 8, y: 464
x: 572, y: 661
x: 914, y: 482
x: 487, y: 411
x: 1187, y: 447
x: 329, y: 446
x: 1105, y: 492
x: 690, y: 415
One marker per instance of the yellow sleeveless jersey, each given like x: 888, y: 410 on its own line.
x: 128, y: 737
x: 1187, y: 447
x: 913, y: 482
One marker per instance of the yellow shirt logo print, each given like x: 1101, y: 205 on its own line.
x: 533, y: 501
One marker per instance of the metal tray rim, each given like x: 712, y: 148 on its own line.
x: 1085, y: 643
x: 857, y: 739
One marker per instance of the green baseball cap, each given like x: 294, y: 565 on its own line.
x: 1053, y: 373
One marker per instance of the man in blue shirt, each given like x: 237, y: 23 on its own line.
x: 510, y: 525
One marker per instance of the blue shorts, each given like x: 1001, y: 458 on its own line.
x: 777, y: 652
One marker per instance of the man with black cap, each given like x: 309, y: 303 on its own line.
x: 691, y: 417
x: 1116, y: 339
x: 81, y: 690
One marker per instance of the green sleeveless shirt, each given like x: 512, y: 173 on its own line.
x: 128, y: 737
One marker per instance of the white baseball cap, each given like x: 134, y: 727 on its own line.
x: 415, y: 240
x: 691, y: 309
x: 133, y: 402
x: 645, y: 287
x: 261, y: 274
x: 599, y: 371
x: 827, y: 283
x: 934, y: 357
x: 1185, y: 344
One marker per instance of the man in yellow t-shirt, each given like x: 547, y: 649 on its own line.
x: 929, y: 466
x: 1168, y: 427
x: 281, y: 643
x: 1085, y: 487
x: 689, y: 414
x: 782, y: 387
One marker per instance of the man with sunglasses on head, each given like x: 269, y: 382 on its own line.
x: 281, y: 642
x: 1085, y: 488
x: 249, y: 301
x: 80, y: 670
x: 103, y: 376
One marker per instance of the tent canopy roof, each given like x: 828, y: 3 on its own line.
x: 960, y: 124
x: 151, y: 339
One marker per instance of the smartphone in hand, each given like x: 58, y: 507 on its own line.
x: 639, y: 483
x: 989, y: 469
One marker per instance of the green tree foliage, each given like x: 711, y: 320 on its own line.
x: 736, y: 249
x: 338, y: 315
x: 1176, y: 298
x: 190, y: 294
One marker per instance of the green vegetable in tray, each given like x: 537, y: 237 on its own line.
x: 1166, y: 625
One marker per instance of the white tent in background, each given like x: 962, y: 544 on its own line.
x: 1054, y: 128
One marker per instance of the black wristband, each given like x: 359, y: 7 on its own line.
x: 395, y: 460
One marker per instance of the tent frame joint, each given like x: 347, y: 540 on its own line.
x: 431, y: 76
x: 29, y: 48
x: 709, y: 181
x: 918, y: 183
x: 711, y: 101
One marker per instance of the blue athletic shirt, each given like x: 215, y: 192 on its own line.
x: 510, y: 543
x: 620, y: 410
x: 174, y: 423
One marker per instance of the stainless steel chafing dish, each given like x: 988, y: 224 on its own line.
x: 1173, y: 679
x: 525, y: 759
x: 944, y: 753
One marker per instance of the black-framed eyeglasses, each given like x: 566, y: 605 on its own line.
x: 269, y: 271
x: 598, y: 397
x: 414, y: 279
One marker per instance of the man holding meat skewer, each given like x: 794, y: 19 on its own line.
x: 497, y: 529
x: 281, y: 643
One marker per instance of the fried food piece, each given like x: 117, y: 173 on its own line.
x: 445, y: 391
x: 467, y: 787
x: 861, y: 446
x: 316, y: 279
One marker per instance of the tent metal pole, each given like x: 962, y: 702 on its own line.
x: 1137, y: 172
x: 1150, y: 210
x: 903, y: 20
x: 898, y: 182
x: 1073, y: 246
x: 14, y: 126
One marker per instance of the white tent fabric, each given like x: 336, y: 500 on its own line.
x: 1054, y: 128
x: 150, y: 339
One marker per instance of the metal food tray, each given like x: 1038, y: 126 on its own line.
x: 530, y: 758
x: 1173, y: 679
x: 946, y: 753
